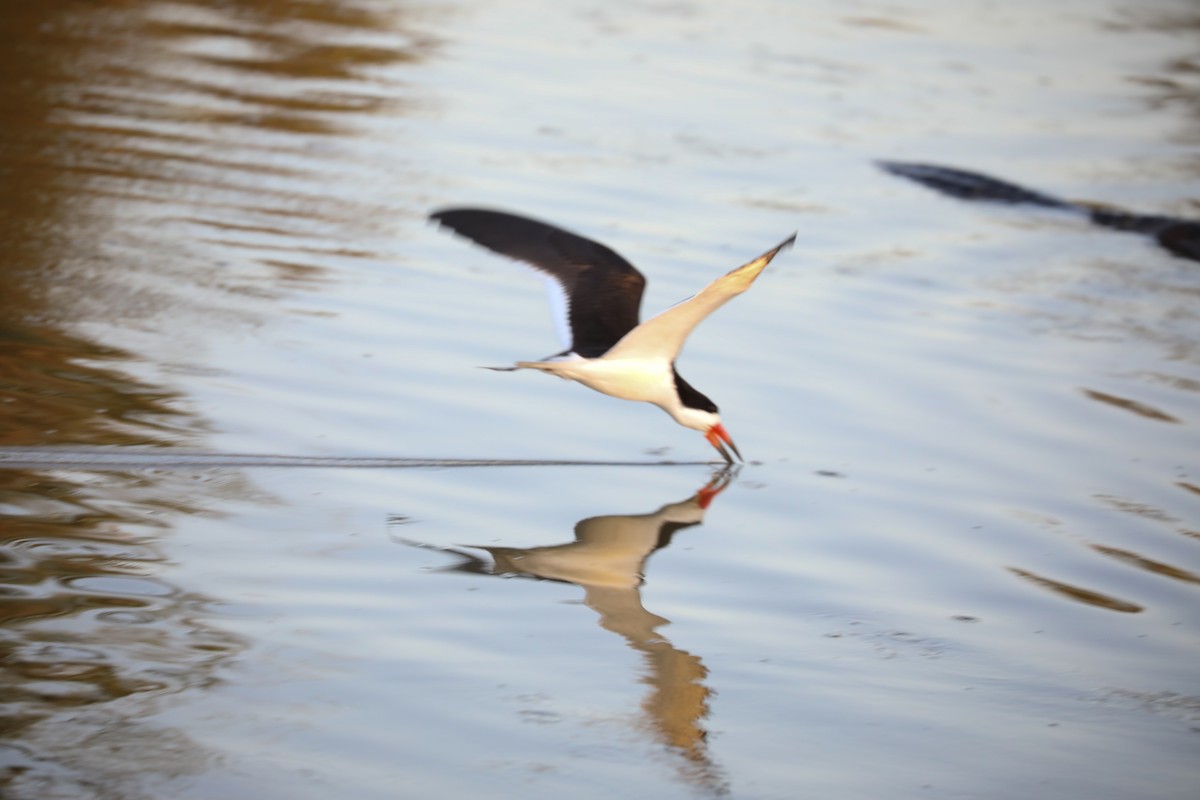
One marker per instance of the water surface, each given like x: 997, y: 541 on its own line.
x: 964, y: 560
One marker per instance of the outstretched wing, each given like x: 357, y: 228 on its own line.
x: 1179, y: 236
x: 663, y: 336
x: 595, y: 294
x: 971, y: 185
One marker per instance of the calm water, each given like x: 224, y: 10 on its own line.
x: 964, y: 561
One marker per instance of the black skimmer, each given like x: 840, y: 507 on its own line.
x: 1180, y: 237
x: 595, y: 295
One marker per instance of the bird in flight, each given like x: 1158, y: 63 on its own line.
x: 1180, y: 237
x: 595, y: 295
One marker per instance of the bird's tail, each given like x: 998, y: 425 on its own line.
x: 552, y: 363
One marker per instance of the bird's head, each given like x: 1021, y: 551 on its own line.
x: 708, y: 423
x: 693, y: 410
x: 718, y: 437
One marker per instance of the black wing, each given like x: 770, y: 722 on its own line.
x: 1179, y: 236
x: 971, y: 185
x: 603, y: 291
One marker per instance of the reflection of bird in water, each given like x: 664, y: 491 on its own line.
x: 607, y: 559
x: 595, y: 295
x: 1179, y: 236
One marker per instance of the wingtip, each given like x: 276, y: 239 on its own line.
x: 759, y: 263
x: 438, y: 215
x: 902, y: 168
x: 779, y: 248
x: 443, y: 215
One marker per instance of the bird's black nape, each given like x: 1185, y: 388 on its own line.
x: 690, y: 396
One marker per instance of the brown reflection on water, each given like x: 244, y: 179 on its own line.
x: 607, y: 560
x: 58, y: 387
x: 167, y: 169
x: 1125, y: 556
x: 164, y: 157
x: 1133, y: 406
x: 1176, y: 81
x: 1148, y: 564
x: 94, y: 634
x: 1144, y: 511
x: 1089, y: 597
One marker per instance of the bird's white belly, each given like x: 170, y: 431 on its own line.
x: 630, y: 379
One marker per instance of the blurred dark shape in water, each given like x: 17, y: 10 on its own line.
x: 159, y: 183
x: 1181, y: 237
